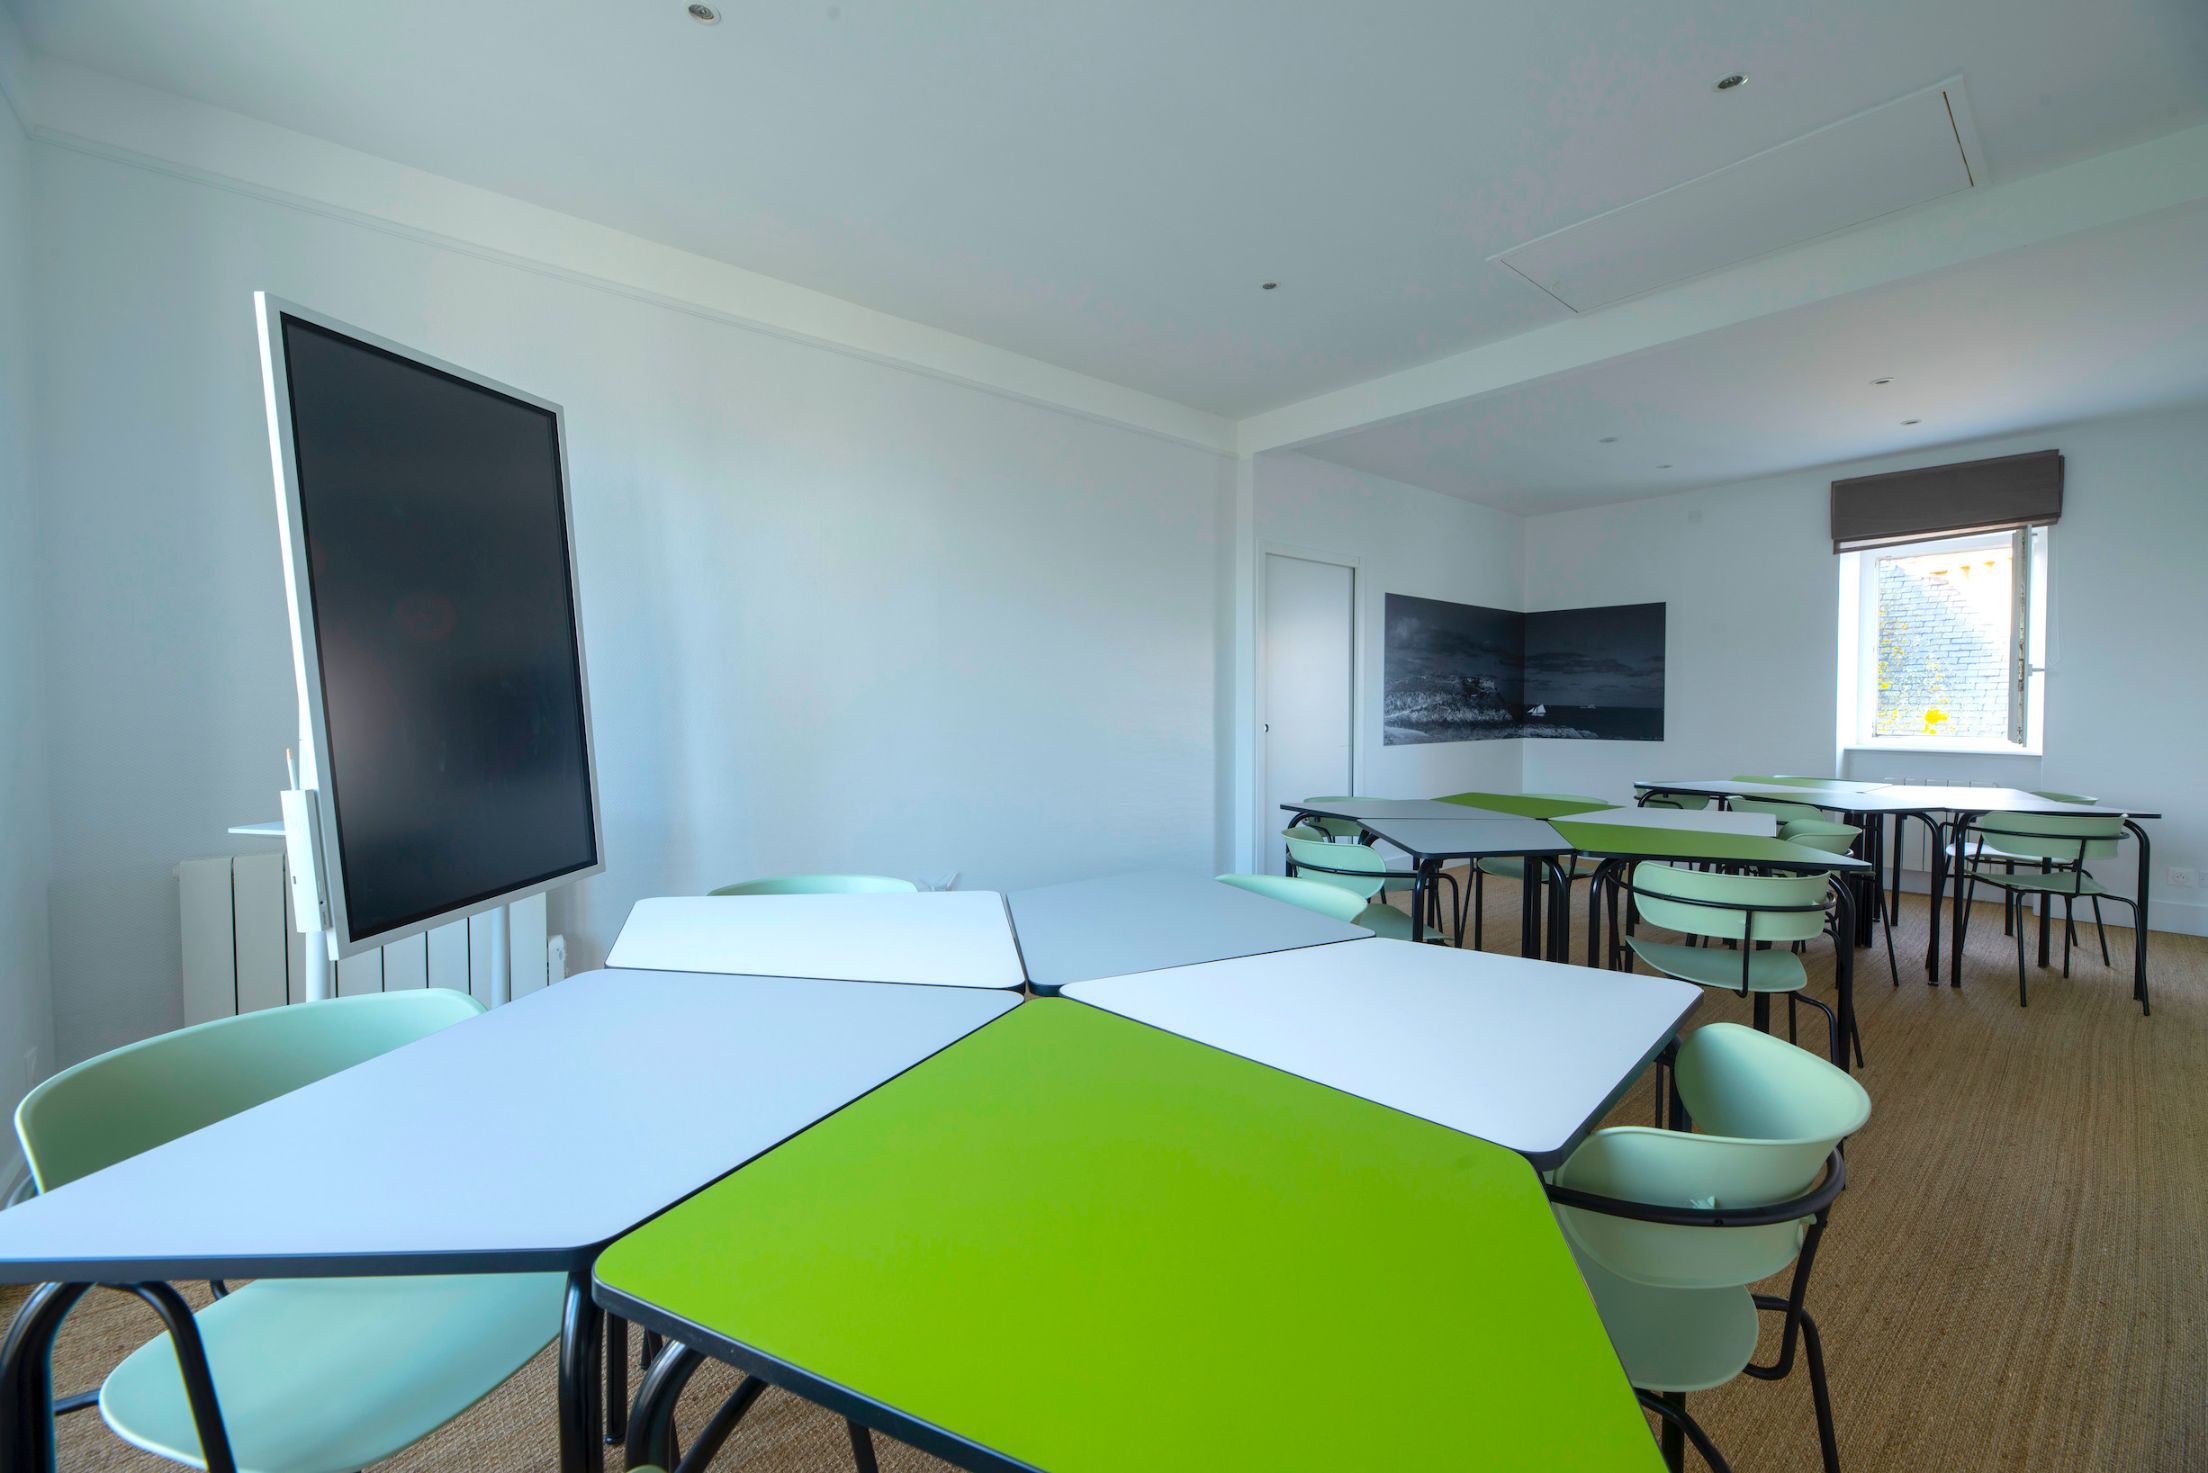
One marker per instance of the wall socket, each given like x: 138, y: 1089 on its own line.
x: 2182, y: 878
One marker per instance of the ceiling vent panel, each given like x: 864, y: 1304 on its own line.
x: 1887, y: 159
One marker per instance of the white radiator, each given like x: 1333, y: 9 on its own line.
x: 241, y: 952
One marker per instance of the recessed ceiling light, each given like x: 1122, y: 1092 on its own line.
x: 1880, y: 382
x: 1607, y: 440
x: 1268, y: 286
x: 1728, y: 83
x: 1912, y: 421
x: 1665, y: 466
x: 705, y: 15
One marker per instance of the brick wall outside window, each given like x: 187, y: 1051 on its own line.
x: 1944, y: 645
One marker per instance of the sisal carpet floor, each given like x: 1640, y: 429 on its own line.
x: 2016, y: 1278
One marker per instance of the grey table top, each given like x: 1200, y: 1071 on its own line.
x: 1895, y: 797
x: 1148, y: 921
x: 1362, y: 809
x: 623, y: 1092
x: 1469, y: 837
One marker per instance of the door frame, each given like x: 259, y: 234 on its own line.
x: 1265, y: 825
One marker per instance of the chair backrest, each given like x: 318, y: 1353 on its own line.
x: 143, y: 1094
x: 1779, y: 808
x: 2098, y: 848
x: 1767, y: 1116
x: 1351, y: 867
x: 820, y: 885
x: 1730, y: 907
x: 1334, y: 828
x: 1820, y: 833
x: 1683, y: 801
x: 1327, y: 900
x: 2064, y: 838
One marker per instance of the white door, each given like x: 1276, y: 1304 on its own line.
x: 1306, y: 723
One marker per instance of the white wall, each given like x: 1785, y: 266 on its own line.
x: 25, y: 819
x: 840, y: 615
x: 1753, y: 589
x: 1405, y: 540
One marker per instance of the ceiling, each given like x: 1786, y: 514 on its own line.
x: 1104, y: 186
x: 2108, y: 322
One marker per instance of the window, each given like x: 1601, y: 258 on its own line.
x: 1948, y: 643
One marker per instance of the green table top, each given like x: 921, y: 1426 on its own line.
x: 1524, y: 805
x: 1620, y: 841
x: 1076, y: 1243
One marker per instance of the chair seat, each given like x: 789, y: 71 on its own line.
x: 1777, y: 970
x: 1387, y: 922
x: 2061, y: 882
x: 330, y: 1375
x: 1673, y: 1339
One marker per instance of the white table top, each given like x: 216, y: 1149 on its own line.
x: 951, y: 938
x: 620, y: 1093
x: 1699, y: 820
x: 1523, y: 1053
x: 1143, y: 922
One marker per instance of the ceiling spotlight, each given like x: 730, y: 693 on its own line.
x: 705, y: 15
x: 1268, y: 286
x: 1912, y: 421
x: 1728, y: 83
x: 1607, y: 440
x: 1879, y: 383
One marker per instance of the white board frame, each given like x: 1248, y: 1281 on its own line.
x: 269, y: 312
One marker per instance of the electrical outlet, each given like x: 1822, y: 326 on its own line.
x: 555, y: 958
x: 2183, y: 878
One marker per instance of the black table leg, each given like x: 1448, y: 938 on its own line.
x: 1955, y: 868
x: 1560, y: 911
x: 2139, y: 917
x: 1529, y: 892
x: 582, y: 1325
x: 652, y: 1421
x: 1843, y: 971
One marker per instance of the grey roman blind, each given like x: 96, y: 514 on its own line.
x: 1947, y: 500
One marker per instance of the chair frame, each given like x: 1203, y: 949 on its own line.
x: 1975, y: 871
x: 1761, y: 1001
x: 1433, y: 892
x: 1799, y: 1328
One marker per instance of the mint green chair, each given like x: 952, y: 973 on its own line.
x: 2098, y: 849
x: 1648, y: 798
x: 1505, y: 868
x: 820, y: 885
x: 1757, y: 914
x: 1360, y: 872
x: 1328, y: 900
x: 1779, y: 808
x: 2060, y: 844
x: 314, y: 1375
x: 1840, y: 838
x: 1671, y: 1227
x: 1308, y: 832
x: 1341, y: 830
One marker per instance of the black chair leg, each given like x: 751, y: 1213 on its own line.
x: 2069, y: 931
x: 1479, y: 907
x: 2016, y: 911
x: 1820, y: 1392
x: 2102, y: 927
x: 1679, y: 1429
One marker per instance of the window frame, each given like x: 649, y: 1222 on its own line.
x: 1858, y: 665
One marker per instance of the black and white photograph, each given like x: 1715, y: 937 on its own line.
x: 1455, y: 672
x: 1596, y: 673
x: 1464, y: 673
